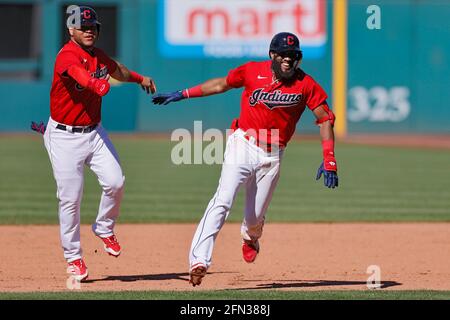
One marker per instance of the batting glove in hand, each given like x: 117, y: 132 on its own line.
x: 330, y: 178
x: 166, y: 98
x: 38, y: 127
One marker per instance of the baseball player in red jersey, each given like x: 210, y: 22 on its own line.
x: 276, y: 92
x: 74, y: 137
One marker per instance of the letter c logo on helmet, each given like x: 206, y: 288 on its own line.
x: 285, y: 41
x: 87, y: 14
x: 81, y: 16
x: 290, y: 40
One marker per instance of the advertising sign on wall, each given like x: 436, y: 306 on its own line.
x: 238, y: 28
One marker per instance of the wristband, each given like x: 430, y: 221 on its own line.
x: 193, y: 92
x: 329, y: 161
x: 135, y: 77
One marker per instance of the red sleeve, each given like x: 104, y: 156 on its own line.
x: 315, y: 95
x: 64, y: 60
x: 236, y: 77
x: 79, y: 74
x: 106, y: 60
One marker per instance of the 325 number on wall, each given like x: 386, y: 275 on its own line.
x: 379, y: 104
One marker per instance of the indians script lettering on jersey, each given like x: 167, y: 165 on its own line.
x: 276, y: 99
x: 70, y: 103
x: 269, y: 104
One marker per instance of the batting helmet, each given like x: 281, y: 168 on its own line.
x: 284, y: 42
x: 87, y: 17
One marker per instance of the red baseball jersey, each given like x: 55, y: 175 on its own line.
x: 269, y: 104
x: 70, y: 103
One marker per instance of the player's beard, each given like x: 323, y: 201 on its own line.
x: 281, y: 75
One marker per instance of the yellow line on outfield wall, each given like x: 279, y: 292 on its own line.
x: 340, y: 67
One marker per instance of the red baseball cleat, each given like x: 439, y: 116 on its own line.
x: 78, y: 269
x: 250, y: 250
x: 111, y: 246
x: 196, y: 274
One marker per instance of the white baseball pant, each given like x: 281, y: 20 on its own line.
x: 69, y: 153
x: 244, y: 164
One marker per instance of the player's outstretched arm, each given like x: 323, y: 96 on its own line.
x: 123, y: 74
x: 325, y: 120
x: 210, y: 87
x: 82, y: 77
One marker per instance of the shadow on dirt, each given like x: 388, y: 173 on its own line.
x: 313, y: 283
x: 184, y: 276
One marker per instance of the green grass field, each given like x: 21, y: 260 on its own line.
x: 376, y: 184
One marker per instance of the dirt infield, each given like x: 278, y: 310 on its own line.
x: 293, y: 257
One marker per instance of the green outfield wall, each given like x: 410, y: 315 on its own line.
x: 398, y: 74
